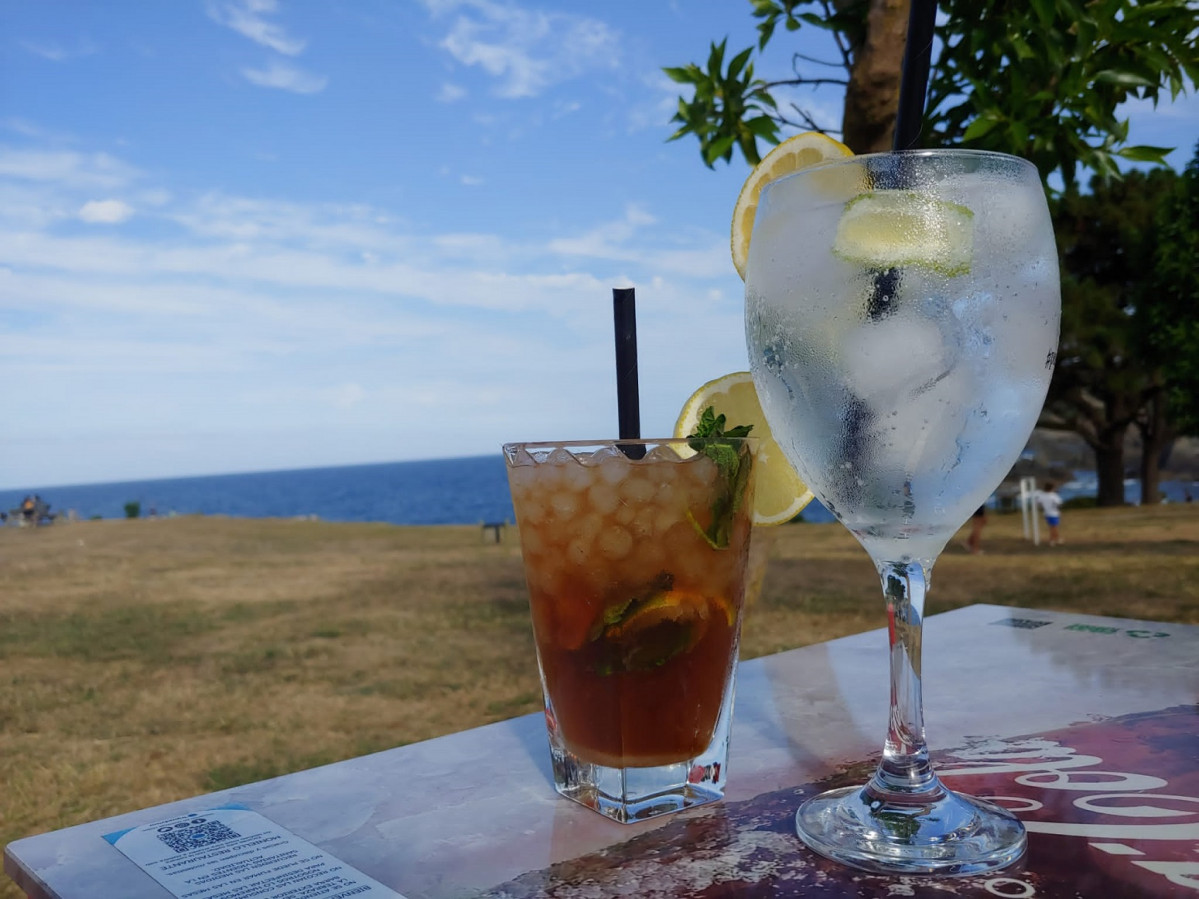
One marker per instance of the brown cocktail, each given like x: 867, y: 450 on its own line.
x: 635, y: 555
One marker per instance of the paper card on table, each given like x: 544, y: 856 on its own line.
x: 232, y: 852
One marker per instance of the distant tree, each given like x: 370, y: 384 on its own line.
x: 1106, y: 380
x: 1041, y: 79
x: 1171, y: 321
x: 133, y: 509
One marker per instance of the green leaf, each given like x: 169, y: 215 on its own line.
x: 1124, y: 78
x: 1023, y: 51
x: 719, y: 148
x: 682, y: 74
x: 1144, y: 153
x: 733, y: 461
x: 978, y: 128
x: 1043, y: 10
x: 716, y: 57
x: 763, y: 127
x: 739, y: 62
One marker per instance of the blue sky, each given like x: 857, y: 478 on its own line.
x: 243, y: 235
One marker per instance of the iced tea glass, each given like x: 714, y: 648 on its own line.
x: 635, y: 555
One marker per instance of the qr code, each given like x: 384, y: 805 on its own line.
x: 185, y: 836
x: 1027, y: 623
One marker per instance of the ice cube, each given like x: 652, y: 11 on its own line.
x: 893, y: 354
x: 601, y: 455
x: 663, y: 452
x: 612, y: 463
x: 920, y: 431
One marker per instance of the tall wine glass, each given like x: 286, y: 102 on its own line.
x: 902, y: 316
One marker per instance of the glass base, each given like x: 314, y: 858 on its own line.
x: 632, y: 794
x: 946, y: 834
x: 628, y: 795
x: 638, y: 793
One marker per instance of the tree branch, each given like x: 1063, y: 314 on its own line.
x: 819, y: 62
x: 800, y: 82
x: 806, y: 120
x: 846, y: 57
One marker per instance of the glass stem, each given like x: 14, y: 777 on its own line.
x: 905, y: 775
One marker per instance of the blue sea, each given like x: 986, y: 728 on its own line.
x: 439, y: 491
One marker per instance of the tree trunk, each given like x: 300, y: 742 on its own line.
x: 1109, y: 466
x: 872, y: 97
x: 1150, y: 473
x: 1156, y: 437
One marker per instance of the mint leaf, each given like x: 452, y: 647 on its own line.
x: 733, y: 461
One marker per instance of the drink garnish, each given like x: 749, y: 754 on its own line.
x: 734, y: 463
x: 779, y: 492
x: 795, y: 153
x: 887, y: 229
x: 652, y: 630
x: 615, y: 613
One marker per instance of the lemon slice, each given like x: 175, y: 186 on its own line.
x: 779, y: 494
x: 894, y: 228
x: 795, y: 153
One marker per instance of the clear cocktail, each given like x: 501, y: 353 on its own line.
x: 902, y: 323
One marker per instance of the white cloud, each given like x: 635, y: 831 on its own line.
x: 611, y: 240
x: 105, y: 212
x: 525, y: 50
x: 52, y: 52
x: 300, y: 317
x: 471, y: 180
x: 247, y: 18
x: 88, y: 170
x: 56, y: 52
x: 450, y: 93
x: 284, y: 77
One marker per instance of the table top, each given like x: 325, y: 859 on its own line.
x: 1086, y: 727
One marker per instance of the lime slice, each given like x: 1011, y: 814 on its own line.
x: 898, y: 228
x: 655, y: 630
x: 779, y: 493
x: 795, y: 153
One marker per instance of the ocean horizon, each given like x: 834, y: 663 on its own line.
x: 467, y: 490
x: 435, y: 491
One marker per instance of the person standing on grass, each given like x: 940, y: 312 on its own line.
x: 974, y: 543
x: 1051, y: 504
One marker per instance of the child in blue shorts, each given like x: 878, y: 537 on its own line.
x: 1051, y: 505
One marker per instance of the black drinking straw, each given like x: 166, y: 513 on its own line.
x: 913, y: 85
x: 628, y: 407
x: 909, y: 119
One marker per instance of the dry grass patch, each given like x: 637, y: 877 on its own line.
x: 146, y: 661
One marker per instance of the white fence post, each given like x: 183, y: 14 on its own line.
x: 1028, y: 509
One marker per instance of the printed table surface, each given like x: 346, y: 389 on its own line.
x: 1086, y: 727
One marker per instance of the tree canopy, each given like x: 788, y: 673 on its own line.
x: 1042, y: 79
x: 1045, y: 80
x: 1103, y: 376
x: 1172, y: 317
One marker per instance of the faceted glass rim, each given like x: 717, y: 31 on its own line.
x: 619, y: 441
x: 684, y: 446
